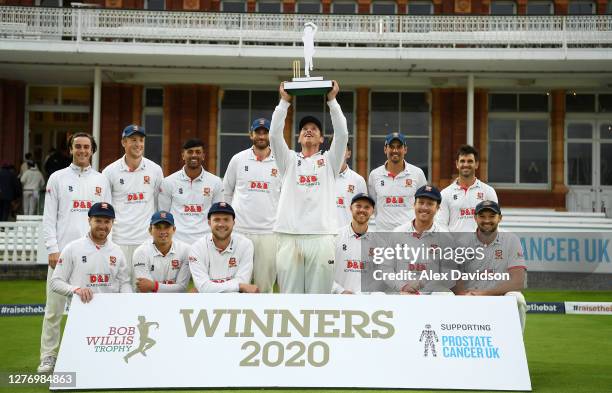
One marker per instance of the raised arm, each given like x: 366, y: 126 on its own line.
x: 338, y: 145
x: 281, y: 151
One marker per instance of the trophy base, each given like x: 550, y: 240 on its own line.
x: 313, y: 86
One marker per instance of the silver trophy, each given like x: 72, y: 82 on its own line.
x: 307, y: 85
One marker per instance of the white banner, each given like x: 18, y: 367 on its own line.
x: 235, y: 340
x: 594, y: 308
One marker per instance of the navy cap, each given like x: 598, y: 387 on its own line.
x: 262, y: 122
x: 221, y: 207
x: 162, y: 216
x: 133, y: 129
x: 490, y: 205
x: 310, y: 119
x: 363, y: 195
x: 428, y: 191
x: 393, y: 136
x: 101, y: 209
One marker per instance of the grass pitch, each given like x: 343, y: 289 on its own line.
x: 566, y: 353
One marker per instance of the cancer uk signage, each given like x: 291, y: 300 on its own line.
x: 128, y: 341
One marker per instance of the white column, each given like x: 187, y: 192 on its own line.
x: 97, y: 97
x: 470, y: 110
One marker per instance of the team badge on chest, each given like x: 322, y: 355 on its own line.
x: 320, y: 162
x: 113, y: 260
x: 206, y: 191
x: 147, y: 180
x: 232, y: 262
x: 351, y: 188
x: 98, y: 191
x: 274, y: 172
x: 408, y: 182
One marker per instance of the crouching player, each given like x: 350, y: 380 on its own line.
x: 93, y: 263
x: 161, y: 265
x: 222, y: 261
x: 502, y: 254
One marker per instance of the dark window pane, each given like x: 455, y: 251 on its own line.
x: 235, y: 111
x: 415, y: 123
x: 420, y: 8
x: 157, y: 5
x: 414, y: 102
x: 581, y: 8
x: 534, y: 130
x: 377, y: 152
x: 502, y: 102
x: 605, y: 101
x: 418, y: 153
x: 50, y: 3
x: 308, y: 8
x: 534, y: 162
x: 605, y: 131
x: 269, y: 8
x: 606, y: 164
x: 503, y: 8
x: 230, y: 145
x: 233, y: 6
x: 309, y: 106
x: 384, y: 114
x: 153, y: 149
x: 502, y: 129
x: 539, y: 8
x: 154, y: 124
x: 533, y: 103
x: 580, y: 102
x: 502, y: 162
x: 580, y: 130
x: 344, y: 8
x: 579, y: 161
x: 263, y: 104
x: 154, y: 97
x: 380, y: 8
x: 345, y: 99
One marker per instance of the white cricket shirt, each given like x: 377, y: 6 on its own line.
x: 458, y: 204
x: 348, y: 184
x: 171, y: 271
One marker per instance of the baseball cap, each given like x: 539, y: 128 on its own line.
x: 162, y: 216
x: 490, y: 205
x: 428, y: 191
x: 133, y: 129
x: 310, y: 119
x: 262, y: 122
x: 221, y: 207
x: 101, y: 209
x: 363, y: 195
x: 393, y: 136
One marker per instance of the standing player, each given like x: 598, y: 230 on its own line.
x: 252, y: 185
x: 306, y: 221
x: 354, y: 269
x: 393, y: 185
x: 222, y: 261
x: 461, y: 197
x: 134, y: 182
x: 93, y: 263
x: 348, y: 184
x: 189, y: 192
x: 161, y: 265
x: 70, y: 194
x: 503, y: 253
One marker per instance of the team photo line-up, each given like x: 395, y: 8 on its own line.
x: 298, y: 220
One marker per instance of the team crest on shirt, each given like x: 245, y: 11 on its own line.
x: 232, y: 262
x: 175, y: 264
x: 99, y: 191
x: 408, y: 182
x: 147, y: 180
x: 350, y: 188
x: 113, y: 260
x: 320, y: 162
x: 206, y: 191
x: 499, y: 254
x: 274, y: 172
x: 480, y: 195
x: 60, y: 261
x: 340, y: 201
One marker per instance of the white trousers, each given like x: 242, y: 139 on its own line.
x: 305, y: 263
x: 264, y: 260
x: 128, y: 251
x: 54, y: 311
x: 30, y: 202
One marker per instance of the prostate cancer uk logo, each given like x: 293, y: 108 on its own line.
x: 460, y: 341
x: 121, y: 339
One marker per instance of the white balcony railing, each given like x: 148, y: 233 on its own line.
x: 286, y: 29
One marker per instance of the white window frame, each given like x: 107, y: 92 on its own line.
x: 592, y: 3
x: 429, y: 131
x: 517, y: 116
x: 153, y: 110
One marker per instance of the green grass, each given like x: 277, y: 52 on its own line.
x: 566, y: 353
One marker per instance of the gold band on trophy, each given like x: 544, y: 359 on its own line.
x: 297, y: 69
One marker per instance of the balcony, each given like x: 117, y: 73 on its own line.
x: 119, y: 37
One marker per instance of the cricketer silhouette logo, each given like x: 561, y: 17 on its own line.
x: 146, y: 342
x: 428, y: 335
